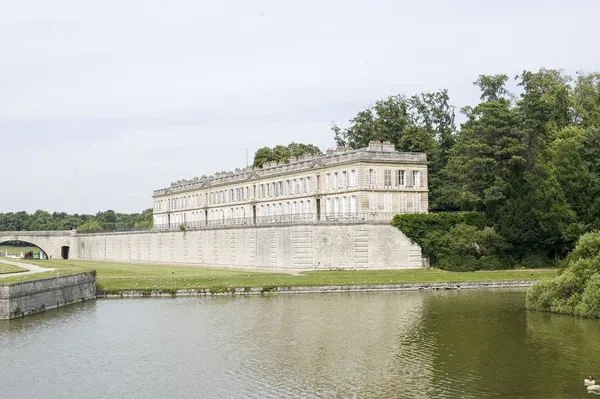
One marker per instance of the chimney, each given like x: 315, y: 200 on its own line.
x: 375, y: 145
x: 387, y: 146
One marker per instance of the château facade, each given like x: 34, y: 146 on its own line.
x: 345, y: 185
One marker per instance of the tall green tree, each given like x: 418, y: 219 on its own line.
x: 536, y: 217
x: 586, y: 99
x: 545, y: 108
x: 575, y: 159
x: 493, y: 87
x: 384, y: 121
x: 488, y: 156
x: 421, y: 123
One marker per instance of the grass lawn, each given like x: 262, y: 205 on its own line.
x: 5, y: 269
x: 114, y: 277
x: 18, y: 250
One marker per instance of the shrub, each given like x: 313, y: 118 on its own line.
x: 458, y: 263
x: 540, y: 296
x: 588, y: 246
x: 566, y: 293
x: 586, y: 268
x: 465, y: 248
x: 423, y: 227
x: 495, y: 262
x: 590, y: 300
x: 577, y: 289
x: 454, y: 241
x: 570, y: 283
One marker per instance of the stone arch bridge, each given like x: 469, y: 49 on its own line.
x: 56, y: 244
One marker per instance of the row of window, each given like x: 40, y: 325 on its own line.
x: 343, y: 179
x: 282, y: 208
x: 227, y: 196
x: 401, y: 178
x: 285, y: 208
x: 220, y: 214
x: 335, y: 180
x: 162, y: 219
x: 188, y: 201
x: 338, y: 205
x: 392, y: 203
x: 265, y: 190
x: 400, y: 205
x: 301, y: 185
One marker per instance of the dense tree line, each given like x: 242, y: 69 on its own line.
x: 102, y: 221
x: 529, y: 161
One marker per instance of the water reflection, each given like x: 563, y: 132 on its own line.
x: 383, y: 345
x: 569, y: 346
x: 333, y: 345
x: 47, y: 319
x: 487, y: 345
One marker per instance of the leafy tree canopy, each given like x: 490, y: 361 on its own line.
x: 281, y: 153
x: 102, y: 221
x: 528, y: 160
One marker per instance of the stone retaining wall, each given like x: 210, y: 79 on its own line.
x: 300, y: 247
x: 28, y: 297
x: 333, y: 288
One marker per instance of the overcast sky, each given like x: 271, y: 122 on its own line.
x: 102, y: 102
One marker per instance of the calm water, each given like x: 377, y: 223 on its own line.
x: 366, y: 345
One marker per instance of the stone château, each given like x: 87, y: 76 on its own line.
x: 367, y: 184
x: 312, y: 213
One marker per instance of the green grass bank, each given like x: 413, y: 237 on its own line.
x: 116, y: 277
x: 7, y: 269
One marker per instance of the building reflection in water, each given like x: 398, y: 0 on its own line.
x: 337, y: 345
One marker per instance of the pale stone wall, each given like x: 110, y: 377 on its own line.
x: 28, y: 297
x: 305, y: 247
x: 301, y: 246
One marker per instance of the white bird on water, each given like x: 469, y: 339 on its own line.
x: 594, y: 388
x: 589, y: 381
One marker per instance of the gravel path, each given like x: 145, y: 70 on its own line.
x: 31, y: 269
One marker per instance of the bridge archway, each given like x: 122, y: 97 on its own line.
x: 50, y: 242
x: 19, y: 247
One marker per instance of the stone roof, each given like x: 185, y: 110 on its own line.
x: 376, y: 151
